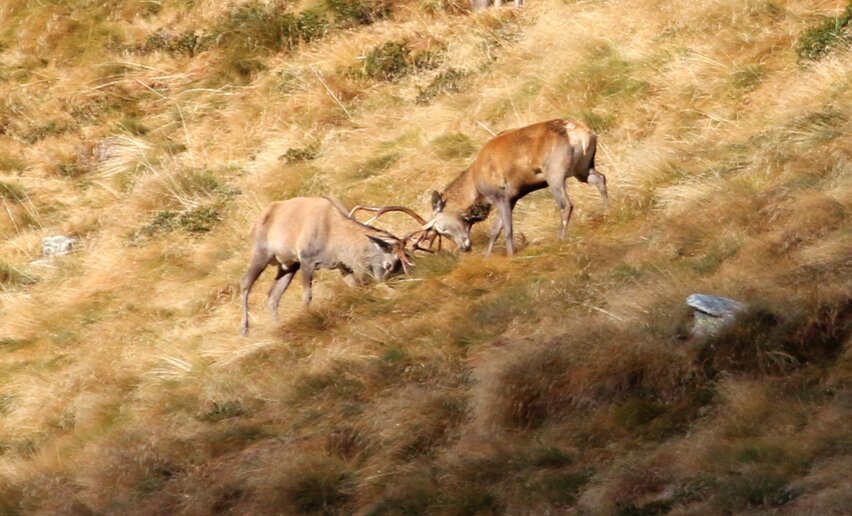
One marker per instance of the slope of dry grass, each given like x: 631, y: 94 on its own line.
x: 559, y: 380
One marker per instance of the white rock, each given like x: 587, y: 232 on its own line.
x: 57, y: 245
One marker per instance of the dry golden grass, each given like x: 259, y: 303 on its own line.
x: 560, y: 380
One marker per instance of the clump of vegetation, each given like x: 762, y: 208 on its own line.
x: 449, y: 81
x: 13, y: 277
x: 364, y: 12
x: 300, y: 154
x: 9, y: 162
x: 195, y: 220
x: 376, y: 165
x: 448, y: 6
x: 222, y: 411
x: 255, y: 27
x: 395, y: 59
x: 762, y: 341
x: 453, y: 145
x: 253, y: 30
x: 12, y: 191
x: 833, y: 33
x: 187, y: 43
x: 133, y: 125
x: 316, y: 486
x: 69, y: 169
x: 40, y: 132
x: 607, y: 74
x: 748, y: 77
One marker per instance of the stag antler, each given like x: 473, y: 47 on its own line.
x: 421, y: 235
x: 385, y: 209
x: 424, y: 233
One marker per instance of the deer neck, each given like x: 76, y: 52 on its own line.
x: 462, y: 197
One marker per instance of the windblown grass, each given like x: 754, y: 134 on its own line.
x: 563, y: 379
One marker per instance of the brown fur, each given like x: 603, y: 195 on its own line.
x: 515, y: 163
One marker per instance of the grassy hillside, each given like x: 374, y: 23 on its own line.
x: 560, y: 380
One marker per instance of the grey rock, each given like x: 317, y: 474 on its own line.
x: 716, y: 306
x: 712, y: 313
x: 57, y: 245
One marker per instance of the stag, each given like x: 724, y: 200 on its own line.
x: 511, y: 165
x: 310, y: 233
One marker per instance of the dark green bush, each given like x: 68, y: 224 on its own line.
x: 221, y: 411
x: 833, y: 33
x: 363, y: 12
x: 69, y: 169
x: 387, y: 62
x: 395, y: 59
x: 450, y: 81
x: 196, y: 220
x: 298, y: 154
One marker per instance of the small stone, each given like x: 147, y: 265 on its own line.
x: 716, y: 306
x: 712, y: 313
x: 57, y: 245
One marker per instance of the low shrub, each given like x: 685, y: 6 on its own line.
x: 195, y: 220
x: 453, y: 145
x: 819, y: 41
x: 450, y: 81
x: 394, y: 59
x: 763, y: 341
x: 13, y: 277
x: 299, y: 154
x: 12, y: 192
x: 364, y: 12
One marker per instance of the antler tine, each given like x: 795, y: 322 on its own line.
x: 358, y: 208
x: 423, y: 234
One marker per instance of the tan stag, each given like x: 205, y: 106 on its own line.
x: 310, y: 233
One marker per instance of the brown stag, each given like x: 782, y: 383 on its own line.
x: 511, y: 165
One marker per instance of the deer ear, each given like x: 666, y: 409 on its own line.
x: 438, y: 202
x: 383, y: 245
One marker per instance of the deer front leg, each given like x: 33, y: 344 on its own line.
x: 349, y: 279
x: 495, y: 232
x: 504, y: 208
x: 307, y: 281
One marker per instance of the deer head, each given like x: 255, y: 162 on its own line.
x: 453, y: 225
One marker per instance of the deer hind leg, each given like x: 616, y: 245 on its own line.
x: 282, y: 281
x: 560, y: 195
x: 258, y: 264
